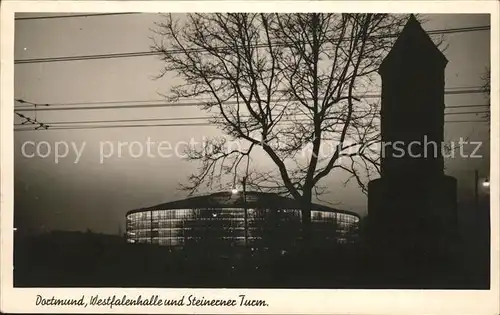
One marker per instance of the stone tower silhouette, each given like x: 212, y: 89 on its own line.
x: 412, y: 207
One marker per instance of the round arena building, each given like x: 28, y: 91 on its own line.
x: 237, y: 219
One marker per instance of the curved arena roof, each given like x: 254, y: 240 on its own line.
x: 229, y: 200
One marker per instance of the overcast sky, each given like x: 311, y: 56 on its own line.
x: 95, y: 195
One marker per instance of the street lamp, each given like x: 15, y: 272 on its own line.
x: 486, y: 182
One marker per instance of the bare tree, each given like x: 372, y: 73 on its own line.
x: 486, y: 87
x: 296, y: 87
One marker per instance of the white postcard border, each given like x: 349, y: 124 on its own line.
x: 13, y: 300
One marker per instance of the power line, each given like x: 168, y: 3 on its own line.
x: 46, y: 17
x: 95, y: 102
x: 466, y: 91
x: 462, y: 106
x: 179, y: 51
x: 21, y: 101
x: 459, y: 30
x: 117, y: 121
x: 467, y: 121
x: 30, y: 121
x: 129, y: 106
x: 463, y: 87
x: 90, y: 57
x: 123, y: 120
x: 46, y: 125
x: 124, y: 102
x: 148, y: 120
x: 48, y: 107
x: 124, y: 126
x: 180, y: 125
x: 467, y: 113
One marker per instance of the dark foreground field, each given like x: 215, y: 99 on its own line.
x: 74, y: 259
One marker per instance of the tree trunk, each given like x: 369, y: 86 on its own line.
x: 306, y: 220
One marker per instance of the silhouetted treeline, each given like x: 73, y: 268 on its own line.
x: 76, y: 259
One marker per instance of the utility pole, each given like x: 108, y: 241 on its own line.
x: 244, y: 184
x: 151, y: 227
x: 476, y: 189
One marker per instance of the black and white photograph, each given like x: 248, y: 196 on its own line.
x: 244, y: 149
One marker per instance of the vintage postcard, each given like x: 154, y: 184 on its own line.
x: 267, y: 157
